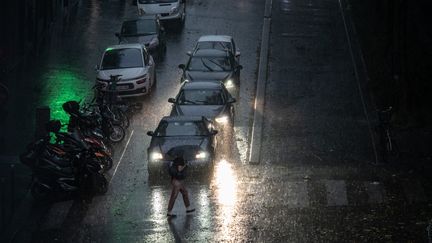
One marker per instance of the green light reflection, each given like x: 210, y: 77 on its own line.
x: 59, y: 86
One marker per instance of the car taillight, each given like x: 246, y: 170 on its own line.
x: 141, y: 81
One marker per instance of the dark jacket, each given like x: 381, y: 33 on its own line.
x: 175, y: 173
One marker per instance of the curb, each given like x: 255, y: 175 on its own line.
x: 258, y: 120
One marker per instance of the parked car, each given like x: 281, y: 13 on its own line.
x: 146, y: 30
x: 192, y: 137
x: 213, y: 65
x: 135, y: 65
x: 172, y: 10
x: 220, y: 42
x: 209, y: 99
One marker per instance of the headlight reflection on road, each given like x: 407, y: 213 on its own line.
x: 157, y: 203
x: 226, y: 193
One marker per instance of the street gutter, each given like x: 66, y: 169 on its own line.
x: 258, y: 120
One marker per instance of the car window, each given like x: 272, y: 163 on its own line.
x: 209, y: 64
x: 181, y: 128
x: 219, y: 45
x: 139, y: 27
x: 201, y: 97
x: 122, y: 58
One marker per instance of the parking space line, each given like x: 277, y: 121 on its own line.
x: 122, y: 155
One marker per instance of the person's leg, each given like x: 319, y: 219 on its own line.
x: 174, y: 192
x: 186, y: 201
x: 185, y: 195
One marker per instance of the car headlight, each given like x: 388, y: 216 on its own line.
x: 175, y: 10
x: 222, y: 119
x: 154, y: 156
x: 154, y: 42
x: 201, y: 155
x: 229, y: 83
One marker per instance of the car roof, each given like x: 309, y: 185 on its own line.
x: 221, y: 38
x: 202, y: 85
x: 211, y: 53
x: 124, y: 46
x: 182, y: 118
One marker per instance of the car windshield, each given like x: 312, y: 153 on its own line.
x: 122, y: 58
x: 157, y: 1
x: 201, y: 97
x: 139, y: 27
x: 181, y: 128
x: 209, y: 64
x: 218, y: 45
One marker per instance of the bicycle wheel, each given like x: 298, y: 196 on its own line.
x: 4, y: 94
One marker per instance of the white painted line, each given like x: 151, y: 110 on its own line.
x: 256, y: 137
x: 298, y: 196
x: 375, y: 192
x: 121, y: 157
x: 356, y: 72
x: 336, y: 193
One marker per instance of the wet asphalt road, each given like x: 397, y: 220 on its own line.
x: 315, y: 182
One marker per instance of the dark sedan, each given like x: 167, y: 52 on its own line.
x: 190, y: 136
x: 209, y: 99
x: 145, y: 30
x: 214, y: 65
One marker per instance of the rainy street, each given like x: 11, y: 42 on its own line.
x: 318, y: 178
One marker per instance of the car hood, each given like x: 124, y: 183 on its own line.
x: 171, y: 147
x: 209, y: 111
x: 143, y: 39
x: 198, y: 75
x: 127, y: 73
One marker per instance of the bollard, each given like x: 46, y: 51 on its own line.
x: 12, y: 191
x: 43, y: 115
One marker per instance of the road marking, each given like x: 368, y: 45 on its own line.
x: 336, y: 192
x: 298, y: 196
x: 356, y: 72
x: 258, y: 120
x: 414, y: 191
x: 375, y: 192
x: 121, y: 157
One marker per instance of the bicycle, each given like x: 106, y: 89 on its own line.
x: 388, y: 145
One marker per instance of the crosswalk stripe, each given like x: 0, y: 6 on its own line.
x: 414, y: 191
x: 336, y: 192
x: 298, y: 196
x: 375, y: 191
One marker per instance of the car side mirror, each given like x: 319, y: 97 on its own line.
x: 232, y: 100
x: 117, y: 34
x: 171, y: 100
x: 150, y: 133
x: 237, y: 54
x: 189, y: 53
x: 214, y: 132
x: 96, y: 67
x: 239, y: 67
x: 181, y: 66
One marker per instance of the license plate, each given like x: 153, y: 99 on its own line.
x: 123, y: 87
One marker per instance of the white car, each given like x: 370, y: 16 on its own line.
x: 219, y: 42
x: 166, y: 9
x: 135, y: 66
